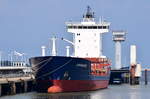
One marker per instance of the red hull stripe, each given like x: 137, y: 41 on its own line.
x: 76, y: 85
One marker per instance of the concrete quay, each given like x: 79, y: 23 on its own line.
x: 11, y: 86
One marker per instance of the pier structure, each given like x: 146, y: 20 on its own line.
x: 11, y: 86
x: 15, y: 77
x: 130, y: 74
x: 118, y: 37
x: 120, y: 76
x: 14, y: 69
x: 146, y: 76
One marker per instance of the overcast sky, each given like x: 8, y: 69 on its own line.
x: 26, y: 25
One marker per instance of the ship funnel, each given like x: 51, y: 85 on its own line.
x: 43, y: 50
x: 67, y: 51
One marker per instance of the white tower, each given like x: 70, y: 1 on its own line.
x: 133, y: 55
x: 53, y: 46
x: 118, y: 37
x: 87, y: 38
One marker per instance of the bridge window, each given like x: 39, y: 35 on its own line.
x: 70, y: 27
x: 94, y: 27
x: 84, y: 27
x: 79, y: 27
x: 99, y: 27
x: 78, y: 34
x: 75, y: 27
x: 104, y: 27
x: 88, y: 27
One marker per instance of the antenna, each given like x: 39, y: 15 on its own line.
x: 101, y: 19
x: 89, y: 15
x: 88, y: 9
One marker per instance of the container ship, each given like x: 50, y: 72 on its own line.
x: 85, y: 70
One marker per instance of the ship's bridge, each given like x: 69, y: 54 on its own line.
x: 100, y: 27
x: 87, y: 25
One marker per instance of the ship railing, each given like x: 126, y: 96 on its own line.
x: 105, y: 61
x: 95, y: 23
x: 13, y: 75
x: 12, y: 63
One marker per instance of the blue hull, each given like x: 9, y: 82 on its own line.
x: 49, y: 68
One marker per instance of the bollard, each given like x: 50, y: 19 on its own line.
x: 146, y: 82
x: 0, y: 90
x: 132, y: 75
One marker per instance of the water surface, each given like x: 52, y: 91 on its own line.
x: 113, y: 92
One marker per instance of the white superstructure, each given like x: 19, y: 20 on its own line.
x: 88, y: 35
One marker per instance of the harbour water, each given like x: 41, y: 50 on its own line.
x: 113, y: 92
x: 124, y: 91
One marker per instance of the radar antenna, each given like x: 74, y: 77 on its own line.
x: 89, y: 13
